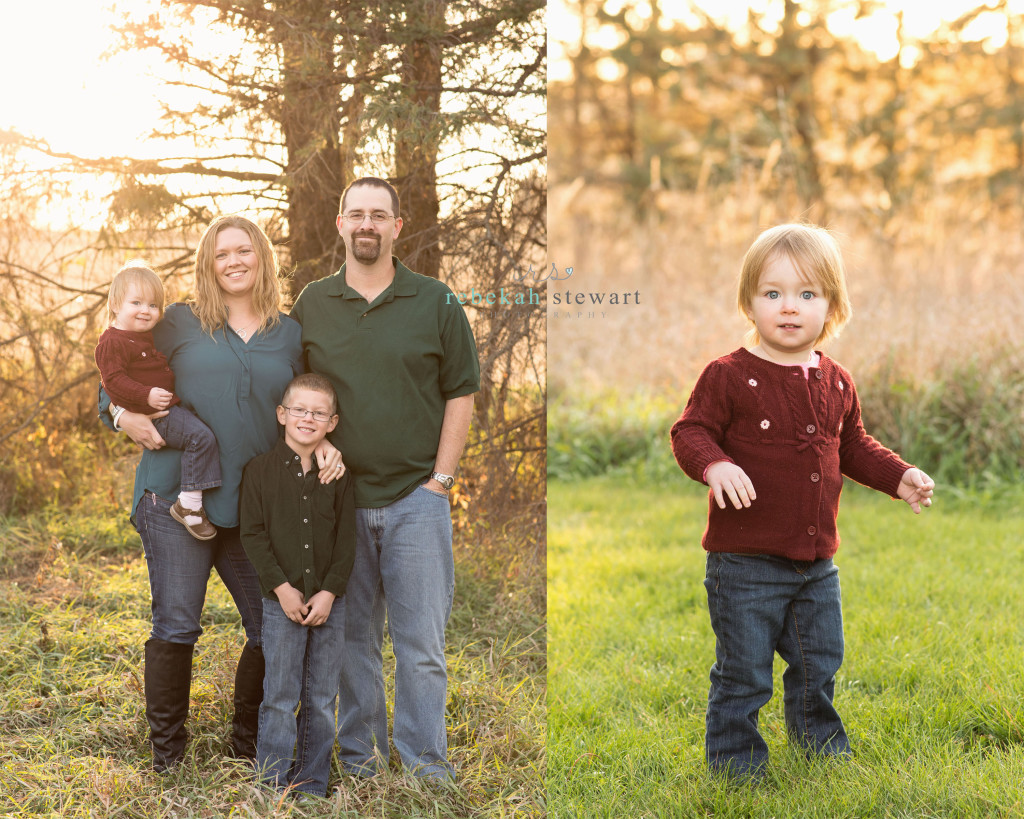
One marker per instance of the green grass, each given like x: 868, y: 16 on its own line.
x: 931, y: 691
x: 74, y: 614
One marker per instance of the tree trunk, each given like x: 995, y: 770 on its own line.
x: 417, y: 137
x: 311, y: 122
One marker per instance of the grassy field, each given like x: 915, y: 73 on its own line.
x: 74, y: 614
x: 932, y: 689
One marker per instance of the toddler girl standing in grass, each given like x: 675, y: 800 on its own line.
x: 772, y: 430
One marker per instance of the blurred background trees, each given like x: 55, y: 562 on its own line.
x: 273, y: 115
x: 680, y: 130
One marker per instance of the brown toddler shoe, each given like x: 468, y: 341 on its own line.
x: 204, y: 530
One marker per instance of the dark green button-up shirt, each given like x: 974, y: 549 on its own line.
x: 394, y: 364
x: 294, y: 528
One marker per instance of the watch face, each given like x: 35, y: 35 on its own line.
x: 445, y: 480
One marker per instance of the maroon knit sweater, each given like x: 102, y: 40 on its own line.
x: 795, y: 438
x: 130, y: 366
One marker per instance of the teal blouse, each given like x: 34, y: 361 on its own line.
x: 234, y: 388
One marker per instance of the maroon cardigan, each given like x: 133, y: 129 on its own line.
x: 795, y: 437
x: 130, y: 366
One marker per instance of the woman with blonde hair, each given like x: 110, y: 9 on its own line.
x: 232, y: 351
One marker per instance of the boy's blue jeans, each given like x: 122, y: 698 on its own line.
x: 301, y: 661
x: 200, y: 457
x: 760, y: 604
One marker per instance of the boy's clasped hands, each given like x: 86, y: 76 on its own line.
x: 727, y: 480
x: 311, y: 613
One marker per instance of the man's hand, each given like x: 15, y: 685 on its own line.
x: 140, y: 428
x: 159, y: 399
x: 726, y: 478
x: 319, y: 608
x: 916, y: 488
x: 291, y: 601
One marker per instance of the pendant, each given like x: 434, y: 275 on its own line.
x: 241, y: 333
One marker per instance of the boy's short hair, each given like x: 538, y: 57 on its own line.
x: 315, y: 382
x: 134, y: 272
x: 815, y: 253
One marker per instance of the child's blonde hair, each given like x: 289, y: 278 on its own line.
x: 815, y: 254
x: 134, y: 272
x: 314, y: 382
x: 267, y: 300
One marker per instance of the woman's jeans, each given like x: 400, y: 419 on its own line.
x: 760, y: 604
x: 302, y: 662
x: 179, y: 570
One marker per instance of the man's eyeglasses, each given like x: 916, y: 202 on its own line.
x: 356, y: 217
x: 299, y: 412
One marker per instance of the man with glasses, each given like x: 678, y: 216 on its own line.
x: 401, y: 356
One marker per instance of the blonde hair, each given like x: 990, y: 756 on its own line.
x: 208, y: 304
x: 134, y: 272
x: 314, y: 382
x: 815, y: 253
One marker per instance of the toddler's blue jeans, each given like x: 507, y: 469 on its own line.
x: 200, y: 457
x: 760, y: 604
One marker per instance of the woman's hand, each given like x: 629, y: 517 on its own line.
x: 328, y: 458
x: 140, y: 428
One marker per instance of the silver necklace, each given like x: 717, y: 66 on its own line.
x: 241, y: 332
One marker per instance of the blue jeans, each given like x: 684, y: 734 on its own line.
x: 761, y: 604
x: 200, y: 457
x: 302, y: 662
x: 179, y: 570
x: 403, y: 568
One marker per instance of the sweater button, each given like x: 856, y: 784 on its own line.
x: 810, y: 429
x: 815, y: 477
x: 811, y: 530
x: 819, y: 375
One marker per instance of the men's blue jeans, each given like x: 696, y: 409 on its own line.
x: 302, y: 661
x: 179, y: 570
x: 404, y: 569
x: 760, y: 604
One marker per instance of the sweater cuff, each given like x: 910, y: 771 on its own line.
x: 704, y: 475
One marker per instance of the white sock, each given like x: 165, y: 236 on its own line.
x: 191, y: 501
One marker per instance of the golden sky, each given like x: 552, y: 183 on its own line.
x: 876, y: 32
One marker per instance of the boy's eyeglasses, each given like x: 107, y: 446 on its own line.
x: 299, y: 412
x: 356, y: 217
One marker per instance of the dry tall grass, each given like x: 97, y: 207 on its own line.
x: 927, y: 287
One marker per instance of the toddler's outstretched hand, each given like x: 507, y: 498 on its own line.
x: 726, y: 478
x: 916, y: 488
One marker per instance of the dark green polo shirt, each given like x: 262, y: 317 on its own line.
x: 394, y: 364
x: 294, y: 528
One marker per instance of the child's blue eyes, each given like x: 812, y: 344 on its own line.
x: 806, y: 295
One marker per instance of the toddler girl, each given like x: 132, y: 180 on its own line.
x: 138, y: 378
x: 772, y: 430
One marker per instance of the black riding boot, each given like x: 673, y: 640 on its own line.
x: 248, y: 696
x: 168, y: 678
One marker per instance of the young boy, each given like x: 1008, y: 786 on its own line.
x: 138, y: 378
x: 300, y: 535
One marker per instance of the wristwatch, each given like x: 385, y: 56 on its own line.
x: 445, y: 480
